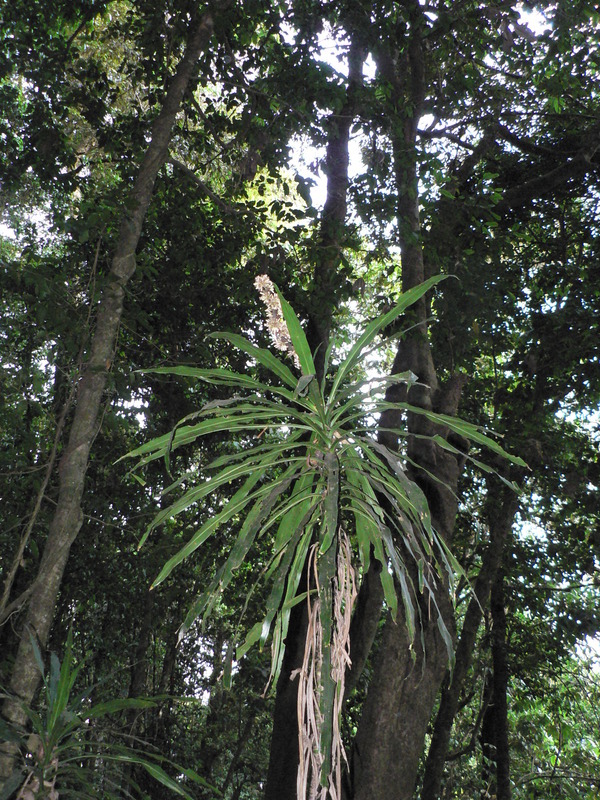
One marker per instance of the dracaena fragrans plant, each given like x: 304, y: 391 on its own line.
x: 325, y: 497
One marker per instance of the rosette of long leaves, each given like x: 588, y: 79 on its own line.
x: 310, y: 473
x: 67, y: 757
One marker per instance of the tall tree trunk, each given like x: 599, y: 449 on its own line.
x: 67, y: 519
x: 505, y: 503
x: 396, y: 712
x: 139, y: 677
x: 210, y: 749
x: 139, y: 667
x: 284, y: 752
x: 242, y: 741
x: 330, y: 241
x: 163, y: 714
x: 408, y: 674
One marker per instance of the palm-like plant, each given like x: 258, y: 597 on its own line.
x: 64, y: 756
x: 315, y: 475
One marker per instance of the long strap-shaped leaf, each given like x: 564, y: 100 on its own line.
x: 263, y: 508
x: 262, y: 356
x: 208, y: 487
x: 304, y: 503
x: 461, y: 427
x: 235, y: 506
x: 408, y: 298
x: 297, y: 336
x: 283, y: 617
x: 159, y: 447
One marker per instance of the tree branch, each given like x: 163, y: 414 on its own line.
x: 204, y: 188
x: 543, y: 185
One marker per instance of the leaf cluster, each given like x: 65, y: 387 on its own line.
x: 65, y: 756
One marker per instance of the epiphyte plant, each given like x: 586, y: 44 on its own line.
x: 315, y: 479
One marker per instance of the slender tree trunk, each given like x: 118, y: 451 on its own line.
x: 243, y: 738
x: 7, y: 608
x: 170, y: 659
x: 162, y: 718
x: 505, y: 504
x: 487, y: 740
x: 139, y: 668
x: 139, y: 676
x: 284, y: 752
x: 500, y: 665
x: 325, y: 292
x: 67, y: 519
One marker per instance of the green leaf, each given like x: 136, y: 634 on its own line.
x: 374, y: 327
x: 37, y: 656
x: 250, y: 640
x: 267, y: 460
x: 303, y: 383
x: 156, y: 772
x: 8, y: 733
x: 254, y: 519
x: 297, y: 336
x: 118, y: 704
x: 293, y: 530
x: 295, y: 573
x: 465, y: 429
x: 264, y: 357
x: 237, y: 503
x: 61, y: 682
x: 221, y: 377
x: 11, y: 784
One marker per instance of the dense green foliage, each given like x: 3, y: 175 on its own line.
x: 485, y: 118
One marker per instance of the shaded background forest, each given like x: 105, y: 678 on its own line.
x: 454, y: 137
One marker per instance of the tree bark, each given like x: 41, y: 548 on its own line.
x: 487, y: 740
x: 284, y: 753
x: 243, y: 738
x: 405, y: 683
x: 67, y: 519
x: 365, y: 621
